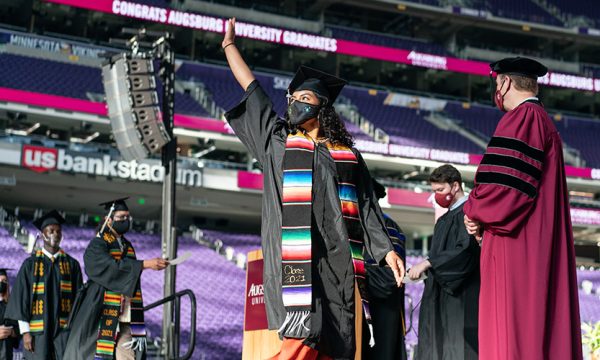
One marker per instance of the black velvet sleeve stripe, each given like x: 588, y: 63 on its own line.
x: 506, y: 180
x: 517, y: 145
x: 513, y: 163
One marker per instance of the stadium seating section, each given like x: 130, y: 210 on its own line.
x: 219, y: 286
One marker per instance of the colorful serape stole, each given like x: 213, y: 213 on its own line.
x: 296, y: 234
x: 39, y: 291
x: 296, y: 241
x: 346, y: 163
x: 109, y: 320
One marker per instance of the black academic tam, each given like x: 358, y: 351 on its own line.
x: 519, y: 66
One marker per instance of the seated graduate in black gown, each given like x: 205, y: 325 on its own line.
x: 448, y: 316
x: 44, y: 291
x: 108, y: 319
x: 9, y: 330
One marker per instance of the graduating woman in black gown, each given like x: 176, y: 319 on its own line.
x: 319, y: 211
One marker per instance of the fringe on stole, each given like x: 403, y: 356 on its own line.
x: 294, y: 325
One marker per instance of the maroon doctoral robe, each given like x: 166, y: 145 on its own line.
x: 528, y: 303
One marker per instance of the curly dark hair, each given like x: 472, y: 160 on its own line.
x: 330, y: 124
x: 333, y: 127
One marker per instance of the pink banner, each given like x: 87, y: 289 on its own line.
x: 249, y: 180
x: 259, y: 32
x: 585, y: 173
x: 52, y: 101
x: 412, y: 58
x: 200, y: 123
x: 403, y: 197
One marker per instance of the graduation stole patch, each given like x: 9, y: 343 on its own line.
x: 39, y: 291
x: 112, y: 307
x: 296, y: 241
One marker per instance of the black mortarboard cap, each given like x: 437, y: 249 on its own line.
x: 379, y: 189
x: 50, y: 218
x: 519, y: 66
x: 323, y: 84
x: 120, y: 204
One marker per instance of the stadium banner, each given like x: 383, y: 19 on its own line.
x: 316, y: 42
x: 42, y: 159
x: 412, y: 199
x: 412, y: 152
x: 44, y: 43
x: 404, y: 197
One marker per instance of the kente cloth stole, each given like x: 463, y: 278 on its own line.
x: 112, y: 307
x: 296, y: 241
x: 39, y: 291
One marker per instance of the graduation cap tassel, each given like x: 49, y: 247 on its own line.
x: 372, y: 341
x: 112, y: 208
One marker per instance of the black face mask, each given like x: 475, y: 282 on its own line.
x: 121, y: 227
x: 300, y: 112
x: 3, y: 287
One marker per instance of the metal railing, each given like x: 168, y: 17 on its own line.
x: 176, y: 298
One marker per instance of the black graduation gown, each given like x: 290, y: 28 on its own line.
x: 449, y: 308
x: 332, y: 317
x: 386, y: 303
x: 104, y: 272
x: 7, y: 345
x: 51, y: 342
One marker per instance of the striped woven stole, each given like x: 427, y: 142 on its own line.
x: 40, y: 291
x: 296, y: 241
x: 111, y: 309
x: 346, y: 165
x: 295, y: 233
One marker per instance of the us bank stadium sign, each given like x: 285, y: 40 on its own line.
x: 45, y: 159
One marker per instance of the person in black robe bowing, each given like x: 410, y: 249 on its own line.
x: 108, y: 319
x: 9, y: 331
x: 449, y: 308
x: 318, y: 213
x: 44, y: 291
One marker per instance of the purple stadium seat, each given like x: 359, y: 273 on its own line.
x: 406, y: 126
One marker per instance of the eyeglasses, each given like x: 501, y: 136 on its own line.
x: 122, y: 217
